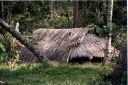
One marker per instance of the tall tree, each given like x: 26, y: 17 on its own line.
x: 51, y: 8
x: 76, y: 15
x: 107, y: 56
x: 2, y: 9
x: 9, y: 8
x: 25, y: 4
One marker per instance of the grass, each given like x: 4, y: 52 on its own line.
x: 54, y: 74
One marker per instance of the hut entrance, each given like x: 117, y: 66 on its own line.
x: 97, y: 59
x: 81, y: 60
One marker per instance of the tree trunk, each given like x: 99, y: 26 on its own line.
x: 9, y: 8
x: 67, y: 15
x: 120, y: 71
x: 51, y: 8
x: 2, y: 9
x: 25, y: 4
x: 19, y: 37
x: 76, y: 15
x: 107, y: 56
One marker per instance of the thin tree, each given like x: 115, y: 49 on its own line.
x: 67, y: 15
x: 107, y: 56
x: 25, y: 4
x: 51, y: 8
x: 76, y: 14
x: 9, y: 8
x: 2, y: 9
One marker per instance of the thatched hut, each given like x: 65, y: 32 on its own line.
x: 67, y: 44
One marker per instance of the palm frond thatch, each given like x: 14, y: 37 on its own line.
x: 66, y: 44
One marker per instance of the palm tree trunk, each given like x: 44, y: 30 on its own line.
x: 107, y: 56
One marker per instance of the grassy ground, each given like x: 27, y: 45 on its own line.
x: 54, y: 74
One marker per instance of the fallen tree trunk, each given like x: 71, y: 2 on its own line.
x: 19, y: 37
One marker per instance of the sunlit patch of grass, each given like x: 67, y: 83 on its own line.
x: 54, y: 74
x: 54, y: 63
x: 88, y: 65
x: 84, y: 65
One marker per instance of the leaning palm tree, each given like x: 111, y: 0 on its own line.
x: 19, y: 37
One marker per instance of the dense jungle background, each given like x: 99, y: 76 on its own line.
x: 27, y: 16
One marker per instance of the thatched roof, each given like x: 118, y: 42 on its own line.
x: 66, y: 44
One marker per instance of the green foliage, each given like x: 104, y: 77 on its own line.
x: 93, y: 12
x: 58, y: 21
x: 119, y: 36
x: 8, y: 46
x: 37, y: 15
x: 3, y: 54
x: 120, y: 13
x: 2, y: 48
x: 3, y: 57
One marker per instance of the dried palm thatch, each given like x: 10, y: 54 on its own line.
x: 66, y: 44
